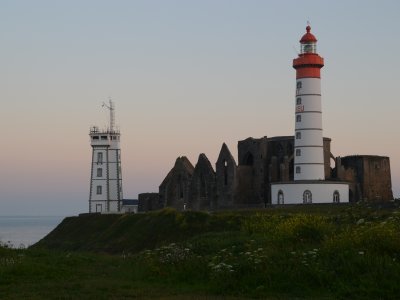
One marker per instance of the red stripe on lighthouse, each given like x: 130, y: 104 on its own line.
x: 308, y: 72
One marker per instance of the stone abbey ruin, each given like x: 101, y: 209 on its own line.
x: 246, y: 183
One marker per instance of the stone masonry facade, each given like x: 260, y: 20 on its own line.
x: 261, y: 161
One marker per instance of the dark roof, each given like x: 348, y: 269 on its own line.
x: 130, y: 202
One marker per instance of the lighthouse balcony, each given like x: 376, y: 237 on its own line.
x: 308, y: 60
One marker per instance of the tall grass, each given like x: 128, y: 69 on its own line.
x: 325, y: 252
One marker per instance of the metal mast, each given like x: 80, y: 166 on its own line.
x: 111, y: 108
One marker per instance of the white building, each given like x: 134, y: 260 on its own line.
x: 106, y: 177
x: 309, y: 185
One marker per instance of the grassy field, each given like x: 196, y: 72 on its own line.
x: 292, y: 252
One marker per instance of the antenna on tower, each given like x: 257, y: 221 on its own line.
x: 111, y: 108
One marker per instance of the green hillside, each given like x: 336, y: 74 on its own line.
x: 292, y: 252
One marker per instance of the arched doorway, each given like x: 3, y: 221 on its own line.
x: 248, y: 159
x: 281, y: 199
x: 307, y: 197
x: 336, y: 197
x: 351, y: 195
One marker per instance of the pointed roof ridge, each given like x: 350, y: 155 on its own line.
x: 185, y: 162
x: 225, y: 149
x: 203, y: 159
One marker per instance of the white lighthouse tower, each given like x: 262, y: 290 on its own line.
x: 309, y: 185
x: 106, y: 178
x: 309, y: 151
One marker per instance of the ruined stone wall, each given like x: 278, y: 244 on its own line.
x: 252, y: 172
x: 174, y: 190
x: 262, y: 161
x: 225, y: 179
x: 149, y: 202
x: 377, y: 183
x: 202, y: 194
x: 369, y: 176
x: 327, y: 158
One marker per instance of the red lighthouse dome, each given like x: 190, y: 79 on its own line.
x: 308, y: 37
x: 308, y: 63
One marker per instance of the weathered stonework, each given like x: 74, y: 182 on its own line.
x: 251, y: 190
x: 149, y: 202
x: 174, y: 190
x: 262, y: 162
x: 369, y: 176
x: 225, y: 178
x: 202, y: 186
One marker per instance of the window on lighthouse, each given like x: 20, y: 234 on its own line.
x: 99, y: 190
x: 298, y: 84
x: 298, y: 118
x: 298, y: 170
x: 298, y: 135
x: 310, y: 47
x: 99, y: 157
x: 298, y: 101
x: 298, y: 152
x: 99, y: 172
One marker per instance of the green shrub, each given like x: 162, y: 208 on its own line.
x: 303, y: 228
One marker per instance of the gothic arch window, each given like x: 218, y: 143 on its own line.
x: 202, y: 186
x: 298, y: 152
x: 225, y: 172
x: 180, y: 186
x: 298, y: 170
x: 249, y: 159
x: 281, y: 199
x: 336, y: 197
x: 280, y: 150
x: 298, y: 118
x: 298, y: 101
x: 289, y: 149
x: 307, y: 197
x: 298, y: 135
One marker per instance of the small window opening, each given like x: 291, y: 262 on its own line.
x: 280, y: 197
x: 100, y: 157
x: 225, y: 172
x: 99, y: 190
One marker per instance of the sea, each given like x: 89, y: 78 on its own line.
x: 24, y: 231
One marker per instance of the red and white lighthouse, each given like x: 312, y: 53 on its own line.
x: 309, y: 152
x: 309, y: 185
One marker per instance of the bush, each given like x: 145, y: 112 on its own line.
x: 303, y: 228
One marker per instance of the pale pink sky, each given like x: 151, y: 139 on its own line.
x: 186, y: 76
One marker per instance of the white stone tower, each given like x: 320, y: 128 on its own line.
x: 309, y: 151
x: 106, y: 177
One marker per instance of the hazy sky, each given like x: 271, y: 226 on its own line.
x: 186, y: 76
